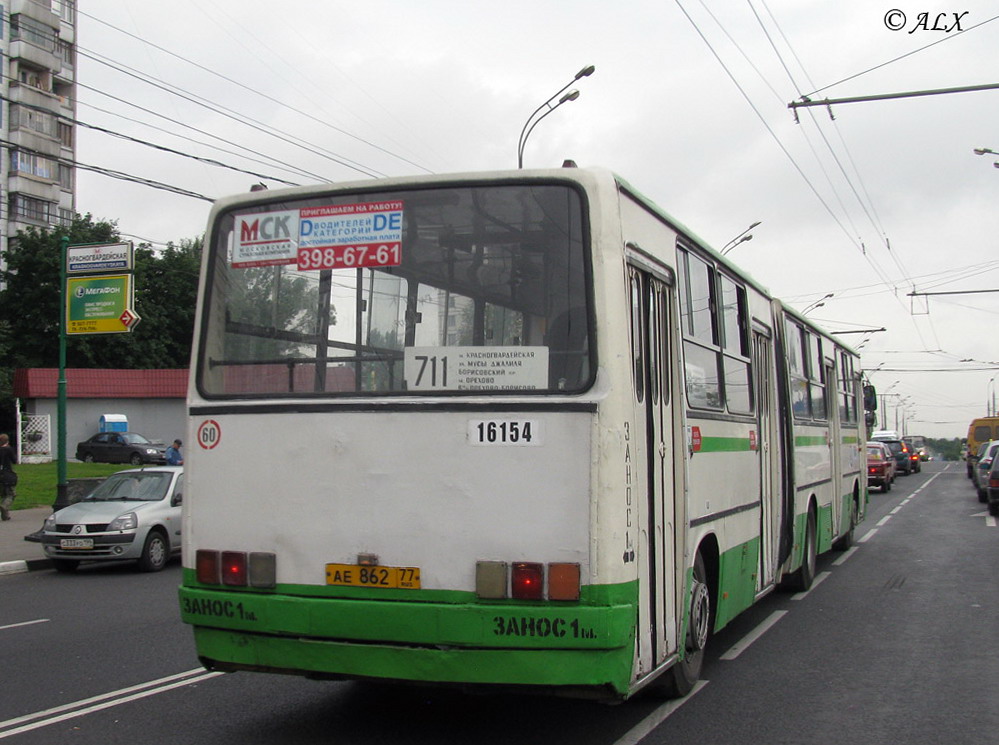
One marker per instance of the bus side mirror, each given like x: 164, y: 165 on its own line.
x: 870, y: 398
x: 870, y: 419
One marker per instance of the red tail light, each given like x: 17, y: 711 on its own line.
x: 234, y: 568
x: 528, y: 581
x: 207, y: 567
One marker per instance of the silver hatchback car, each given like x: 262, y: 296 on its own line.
x: 133, y: 514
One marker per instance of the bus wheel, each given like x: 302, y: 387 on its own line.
x: 680, y: 679
x: 802, y: 579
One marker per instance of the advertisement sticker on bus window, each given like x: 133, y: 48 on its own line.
x: 350, y: 236
x: 265, y: 239
x: 476, y: 368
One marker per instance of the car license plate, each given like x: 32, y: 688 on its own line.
x: 359, y: 575
x: 76, y: 543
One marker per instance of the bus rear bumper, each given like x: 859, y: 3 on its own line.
x: 601, y: 674
x: 585, y: 647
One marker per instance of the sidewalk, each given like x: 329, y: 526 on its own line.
x: 17, y: 554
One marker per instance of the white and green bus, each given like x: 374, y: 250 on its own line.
x: 513, y: 430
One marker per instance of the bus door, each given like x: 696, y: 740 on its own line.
x: 766, y: 447
x: 660, y: 513
x: 835, y: 446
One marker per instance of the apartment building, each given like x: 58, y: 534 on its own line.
x: 38, y: 111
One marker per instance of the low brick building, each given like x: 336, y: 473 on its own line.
x: 153, y: 401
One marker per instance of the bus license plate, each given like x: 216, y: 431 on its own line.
x: 358, y: 575
x: 76, y: 543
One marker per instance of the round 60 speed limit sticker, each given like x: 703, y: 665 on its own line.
x: 209, y: 434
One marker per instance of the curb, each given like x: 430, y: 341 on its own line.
x: 28, y: 565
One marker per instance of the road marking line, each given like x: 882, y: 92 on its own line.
x: 897, y: 509
x: 846, y: 555
x: 23, y: 623
x: 741, y: 646
x: 657, y: 717
x: 94, y: 703
x: 819, y: 579
x: 868, y: 535
x: 882, y: 521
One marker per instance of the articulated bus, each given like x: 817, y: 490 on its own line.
x: 515, y: 430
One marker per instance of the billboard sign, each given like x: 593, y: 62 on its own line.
x: 98, y: 258
x: 100, y: 305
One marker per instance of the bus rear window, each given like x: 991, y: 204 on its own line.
x: 448, y: 290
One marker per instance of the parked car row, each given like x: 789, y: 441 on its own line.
x: 984, y: 466
x: 889, y: 455
x: 881, y: 466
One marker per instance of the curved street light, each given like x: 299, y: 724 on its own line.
x: 818, y: 303
x: 987, y: 151
x: 533, y: 119
x: 741, y: 238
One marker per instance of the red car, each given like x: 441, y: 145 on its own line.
x: 880, y: 466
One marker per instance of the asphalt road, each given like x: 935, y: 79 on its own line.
x: 894, y: 644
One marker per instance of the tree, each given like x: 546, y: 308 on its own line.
x: 165, y: 295
x: 166, y: 285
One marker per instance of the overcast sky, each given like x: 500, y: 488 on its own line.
x: 688, y: 103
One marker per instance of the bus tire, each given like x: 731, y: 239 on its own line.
x: 680, y: 679
x: 802, y: 579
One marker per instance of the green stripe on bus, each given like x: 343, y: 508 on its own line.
x: 809, y: 441
x: 725, y: 444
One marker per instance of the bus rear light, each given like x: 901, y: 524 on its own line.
x: 563, y: 581
x: 207, y: 567
x: 234, y: 568
x: 528, y: 581
x: 490, y: 579
x: 263, y: 570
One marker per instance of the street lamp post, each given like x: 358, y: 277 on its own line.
x: 884, y: 406
x: 534, y: 119
x: 741, y: 238
x: 818, y: 303
x: 987, y: 151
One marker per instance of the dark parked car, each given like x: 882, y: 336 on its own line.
x: 121, y: 447
x: 992, y: 488
x: 900, y: 451
x: 980, y: 476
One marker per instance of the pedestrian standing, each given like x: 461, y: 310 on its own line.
x: 8, y: 478
x: 173, y: 455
